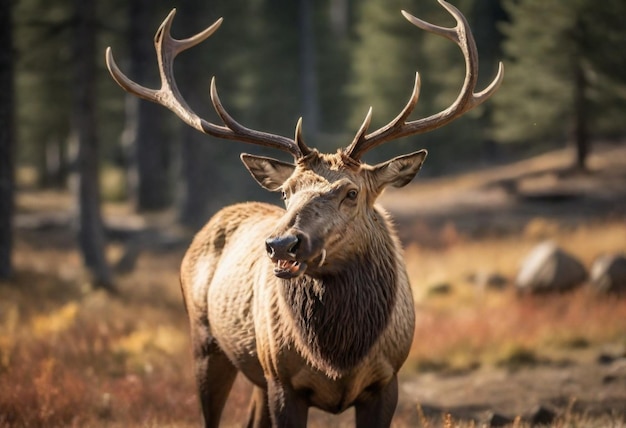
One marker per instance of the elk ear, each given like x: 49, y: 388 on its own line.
x: 399, y: 171
x: 269, y: 173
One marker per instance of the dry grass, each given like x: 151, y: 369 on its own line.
x: 508, y: 328
x: 73, y: 357
x: 473, y: 326
x: 70, y: 356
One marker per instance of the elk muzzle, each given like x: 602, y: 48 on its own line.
x: 293, y: 252
x: 286, y: 251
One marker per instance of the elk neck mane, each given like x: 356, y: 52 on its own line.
x: 339, y: 317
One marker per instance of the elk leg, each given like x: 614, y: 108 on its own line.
x: 379, y: 411
x: 259, y: 412
x: 286, y: 409
x: 215, y: 375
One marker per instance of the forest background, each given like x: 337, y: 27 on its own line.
x: 328, y: 61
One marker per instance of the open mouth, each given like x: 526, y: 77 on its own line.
x: 287, y: 269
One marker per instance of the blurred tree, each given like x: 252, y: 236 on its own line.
x: 257, y: 77
x: 442, y: 68
x: 333, y: 26
x: 383, y: 61
x: 42, y: 34
x: 387, y: 53
x: 91, y: 236
x: 147, y: 148
x: 357, y: 54
x: 7, y: 142
x: 558, y: 71
x: 603, y: 36
x: 308, y: 69
x: 600, y: 36
x: 43, y: 38
x: 200, y: 178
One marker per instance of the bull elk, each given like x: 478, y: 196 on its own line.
x: 311, y: 303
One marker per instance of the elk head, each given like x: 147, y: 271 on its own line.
x: 330, y: 207
x: 330, y: 198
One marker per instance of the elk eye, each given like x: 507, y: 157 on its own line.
x: 352, y: 194
x: 283, y: 195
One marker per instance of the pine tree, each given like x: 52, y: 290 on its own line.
x: 91, y: 238
x: 389, y: 51
x: 552, y: 85
x: 537, y: 94
x: 42, y: 36
x: 150, y: 159
x: 385, y: 56
x: 7, y: 139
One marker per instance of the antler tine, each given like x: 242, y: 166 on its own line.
x: 164, y: 35
x: 300, y: 140
x: 167, y: 48
x: 360, y: 136
x: 466, y: 100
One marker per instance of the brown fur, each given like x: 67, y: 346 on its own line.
x: 332, y: 337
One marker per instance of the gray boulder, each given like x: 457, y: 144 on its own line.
x: 488, y: 280
x: 548, y: 268
x: 608, y: 274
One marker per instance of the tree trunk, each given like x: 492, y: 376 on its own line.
x: 199, y: 178
x: 6, y: 140
x: 308, y: 70
x: 198, y: 182
x: 91, y: 231
x: 150, y: 160
x: 581, y: 117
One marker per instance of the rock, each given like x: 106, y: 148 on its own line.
x: 609, y: 379
x: 439, y: 289
x: 605, y: 359
x: 497, y: 420
x: 541, y: 415
x: 608, y: 274
x: 548, y: 268
x: 488, y: 280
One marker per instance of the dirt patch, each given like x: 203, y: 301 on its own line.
x: 596, y: 388
x: 502, y: 200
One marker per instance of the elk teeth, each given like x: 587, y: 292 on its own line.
x: 289, y: 265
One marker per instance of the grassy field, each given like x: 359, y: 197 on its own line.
x: 72, y: 356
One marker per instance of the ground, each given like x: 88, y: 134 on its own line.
x: 481, y: 352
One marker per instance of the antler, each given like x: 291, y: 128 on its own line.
x: 467, y: 99
x: 167, y: 48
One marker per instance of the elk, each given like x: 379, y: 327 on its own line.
x: 310, y: 302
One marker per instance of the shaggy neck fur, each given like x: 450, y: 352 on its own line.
x: 340, y: 317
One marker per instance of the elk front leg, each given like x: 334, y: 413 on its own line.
x: 215, y: 375
x: 378, y: 413
x: 287, y: 410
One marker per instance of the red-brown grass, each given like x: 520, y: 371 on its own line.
x: 547, y: 326
x: 71, y: 356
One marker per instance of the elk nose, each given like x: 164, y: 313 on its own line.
x: 282, y: 247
